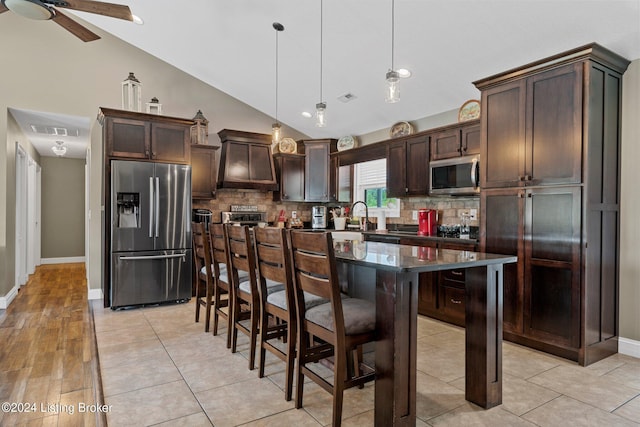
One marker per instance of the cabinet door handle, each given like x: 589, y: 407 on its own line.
x: 527, y: 177
x: 456, y: 301
x: 522, y: 178
x: 456, y: 273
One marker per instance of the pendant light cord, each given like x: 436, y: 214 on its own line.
x: 321, y: 28
x: 277, y: 31
x: 393, y: 32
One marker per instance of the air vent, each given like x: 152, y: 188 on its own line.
x: 54, y: 130
x: 347, y: 97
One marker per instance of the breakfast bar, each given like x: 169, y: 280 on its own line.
x: 396, y: 268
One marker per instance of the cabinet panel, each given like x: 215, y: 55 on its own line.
x: 127, y: 138
x: 445, y: 144
x: 204, y: 172
x: 552, y: 265
x: 503, y: 121
x: 470, y: 140
x: 170, y: 143
x: 290, y: 173
x: 396, y: 169
x: 316, y: 172
x: 427, y: 293
x: 260, y: 168
x: 554, y: 129
x: 453, y: 304
x: 417, y: 159
x: 502, y: 213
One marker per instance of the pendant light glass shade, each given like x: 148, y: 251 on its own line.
x: 393, y: 88
x: 276, y: 134
x: 321, y: 120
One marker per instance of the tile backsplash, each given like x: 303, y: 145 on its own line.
x: 449, y: 208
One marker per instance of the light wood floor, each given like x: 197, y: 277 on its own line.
x: 48, y: 363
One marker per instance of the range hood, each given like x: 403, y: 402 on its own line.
x: 246, y: 161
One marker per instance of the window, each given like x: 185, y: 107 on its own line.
x: 370, y: 185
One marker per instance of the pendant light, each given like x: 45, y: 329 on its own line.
x: 276, y: 135
x: 393, y: 88
x: 321, y: 120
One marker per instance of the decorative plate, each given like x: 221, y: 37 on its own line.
x: 401, y: 129
x: 346, y: 143
x: 470, y: 110
x: 288, y: 145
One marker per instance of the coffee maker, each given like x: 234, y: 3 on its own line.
x: 319, y: 217
x: 427, y: 222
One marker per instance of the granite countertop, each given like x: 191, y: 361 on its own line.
x: 399, y: 258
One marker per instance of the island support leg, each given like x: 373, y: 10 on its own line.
x: 396, y: 323
x: 483, y: 335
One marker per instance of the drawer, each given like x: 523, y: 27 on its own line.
x: 453, y: 304
x: 453, y: 277
x: 462, y: 246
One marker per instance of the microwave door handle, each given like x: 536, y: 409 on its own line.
x: 474, y: 173
x: 151, y: 206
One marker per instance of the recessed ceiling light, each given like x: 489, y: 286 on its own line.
x: 347, y: 97
x: 137, y: 20
x: 307, y: 114
x: 404, y: 73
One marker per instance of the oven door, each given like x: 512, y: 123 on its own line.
x: 457, y: 176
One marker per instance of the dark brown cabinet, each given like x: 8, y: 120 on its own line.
x: 550, y: 179
x: 441, y: 295
x: 460, y: 140
x: 204, y: 171
x: 407, y: 161
x: 132, y: 135
x: 317, y: 176
x: 290, y: 176
x: 533, y: 130
x: 246, y: 161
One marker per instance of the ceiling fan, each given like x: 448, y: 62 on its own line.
x: 50, y: 9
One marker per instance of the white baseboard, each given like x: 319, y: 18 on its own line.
x: 95, y: 294
x: 629, y: 347
x: 6, y: 300
x: 65, y: 260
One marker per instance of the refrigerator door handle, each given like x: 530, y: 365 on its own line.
x: 130, y: 258
x: 157, y: 208
x: 151, y: 206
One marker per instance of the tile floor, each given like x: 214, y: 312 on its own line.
x: 160, y: 368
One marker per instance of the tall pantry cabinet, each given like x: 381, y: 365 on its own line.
x: 550, y: 194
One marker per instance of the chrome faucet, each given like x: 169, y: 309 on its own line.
x: 363, y: 227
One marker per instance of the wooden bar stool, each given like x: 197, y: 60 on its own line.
x: 277, y: 309
x: 245, y: 296
x: 204, y: 274
x: 221, y: 288
x: 338, y: 328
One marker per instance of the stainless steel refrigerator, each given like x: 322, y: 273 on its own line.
x: 150, y: 233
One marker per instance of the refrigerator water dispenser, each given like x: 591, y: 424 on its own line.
x: 128, y: 210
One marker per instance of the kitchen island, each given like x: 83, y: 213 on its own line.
x: 396, y: 268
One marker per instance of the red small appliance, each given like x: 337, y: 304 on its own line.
x: 427, y: 222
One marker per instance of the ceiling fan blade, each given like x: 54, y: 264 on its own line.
x: 74, y: 28
x: 107, y: 9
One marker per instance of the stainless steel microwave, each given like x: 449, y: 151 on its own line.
x: 456, y: 176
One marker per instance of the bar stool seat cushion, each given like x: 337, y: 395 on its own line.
x: 272, y: 286
x: 223, y: 269
x: 279, y: 299
x: 242, y: 275
x: 359, y: 316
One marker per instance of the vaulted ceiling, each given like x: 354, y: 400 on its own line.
x: 447, y: 44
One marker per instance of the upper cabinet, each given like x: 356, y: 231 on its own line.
x: 456, y: 141
x: 317, y: 174
x: 290, y: 175
x: 142, y: 136
x: 204, y: 171
x: 246, y: 161
x: 407, y: 161
x: 533, y: 130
